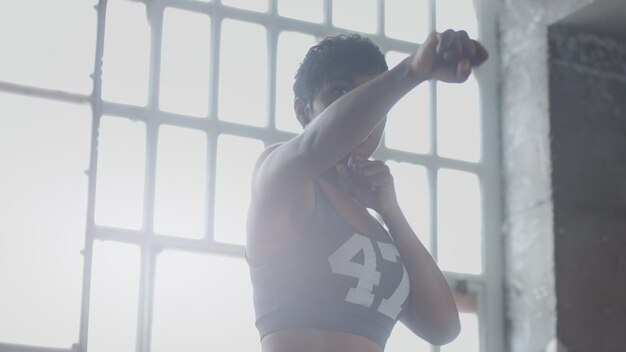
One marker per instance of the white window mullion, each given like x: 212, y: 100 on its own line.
x: 96, y: 102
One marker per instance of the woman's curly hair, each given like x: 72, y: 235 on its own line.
x: 346, y: 53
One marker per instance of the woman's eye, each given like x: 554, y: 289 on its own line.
x: 340, y: 91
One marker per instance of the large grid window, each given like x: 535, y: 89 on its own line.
x: 155, y: 143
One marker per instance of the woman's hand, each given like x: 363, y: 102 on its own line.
x: 370, y: 183
x: 447, y: 57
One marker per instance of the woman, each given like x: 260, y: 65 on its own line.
x: 327, y: 276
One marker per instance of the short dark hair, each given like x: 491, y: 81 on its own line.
x: 348, y: 53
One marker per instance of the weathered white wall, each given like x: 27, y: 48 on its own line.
x: 528, y: 216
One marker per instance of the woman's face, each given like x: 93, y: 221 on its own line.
x: 336, y: 86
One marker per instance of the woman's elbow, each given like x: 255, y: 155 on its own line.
x: 445, y: 332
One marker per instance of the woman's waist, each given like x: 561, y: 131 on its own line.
x: 317, y: 340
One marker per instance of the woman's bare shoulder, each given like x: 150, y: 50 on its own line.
x: 264, y: 154
x: 271, y: 224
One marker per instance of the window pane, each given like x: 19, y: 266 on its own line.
x: 185, y: 63
x: 411, y: 183
x: 180, y: 182
x: 401, y: 338
x: 469, y: 338
x: 306, y: 10
x: 236, y: 157
x: 408, y: 123
x: 120, y: 181
x: 457, y: 15
x: 203, y: 303
x: 292, y: 46
x: 243, y: 73
x: 459, y: 222
x: 458, y: 120
x: 40, y: 50
x: 407, y: 20
x: 254, y: 5
x: 357, y: 15
x: 126, y: 58
x: 44, y: 150
x: 114, y: 296
x: 395, y: 57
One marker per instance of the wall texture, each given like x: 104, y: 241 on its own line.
x: 528, y: 214
x: 588, y: 129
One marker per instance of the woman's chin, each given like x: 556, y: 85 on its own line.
x: 362, y: 153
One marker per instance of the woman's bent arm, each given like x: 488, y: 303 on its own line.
x: 432, y: 313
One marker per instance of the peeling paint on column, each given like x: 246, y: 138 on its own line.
x: 588, y: 121
x: 528, y: 227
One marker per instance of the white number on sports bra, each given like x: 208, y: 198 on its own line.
x: 341, y: 263
x: 392, y: 306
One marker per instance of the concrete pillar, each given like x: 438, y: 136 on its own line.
x: 588, y: 130
x: 528, y: 214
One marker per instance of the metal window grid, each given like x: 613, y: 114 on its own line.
x: 487, y: 286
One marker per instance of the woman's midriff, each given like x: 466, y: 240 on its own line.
x: 317, y: 340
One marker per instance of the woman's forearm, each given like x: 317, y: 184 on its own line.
x: 432, y: 310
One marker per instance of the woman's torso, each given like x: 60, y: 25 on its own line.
x: 356, y: 218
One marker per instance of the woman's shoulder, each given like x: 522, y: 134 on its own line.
x: 272, y: 223
x: 271, y: 148
x: 259, y: 163
x: 266, y: 153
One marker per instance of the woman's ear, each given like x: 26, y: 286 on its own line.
x: 301, y: 108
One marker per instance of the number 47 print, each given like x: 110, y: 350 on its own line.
x: 367, y: 275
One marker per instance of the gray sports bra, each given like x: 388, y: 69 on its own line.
x: 334, y: 278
